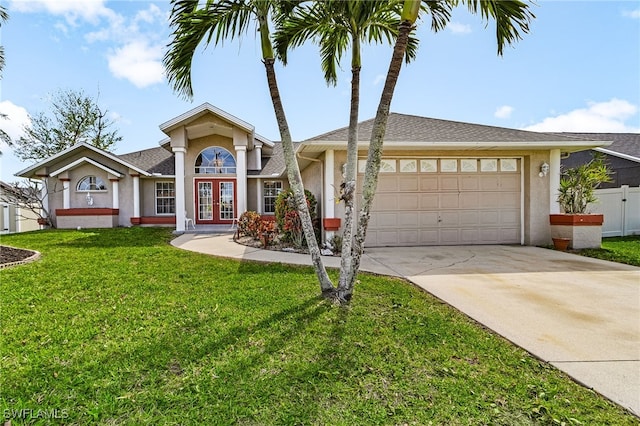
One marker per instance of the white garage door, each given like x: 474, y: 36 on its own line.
x: 446, y: 201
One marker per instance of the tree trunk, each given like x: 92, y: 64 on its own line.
x: 295, y: 181
x: 375, y: 152
x: 349, y: 188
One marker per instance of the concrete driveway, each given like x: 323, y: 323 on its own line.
x: 581, y: 315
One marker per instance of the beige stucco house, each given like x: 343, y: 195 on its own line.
x: 441, y: 182
x: 15, y: 216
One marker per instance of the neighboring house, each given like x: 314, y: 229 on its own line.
x: 623, y: 156
x: 15, y: 216
x: 618, y: 200
x: 441, y: 182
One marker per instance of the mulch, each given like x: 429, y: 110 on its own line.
x: 11, y: 255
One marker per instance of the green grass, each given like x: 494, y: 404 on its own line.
x: 118, y: 327
x: 617, y: 249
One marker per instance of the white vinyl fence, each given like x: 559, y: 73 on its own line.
x: 621, y: 209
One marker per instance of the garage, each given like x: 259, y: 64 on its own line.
x: 446, y: 201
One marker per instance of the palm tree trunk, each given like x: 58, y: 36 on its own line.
x: 349, y: 189
x: 295, y: 181
x: 375, y: 150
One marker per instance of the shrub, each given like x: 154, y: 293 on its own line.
x: 249, y: 224
x: 287, y: 216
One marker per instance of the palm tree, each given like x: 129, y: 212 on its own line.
x: 337, y: 25
x: 213, y: 22
x: 4, y: 137
x: 511, y: 16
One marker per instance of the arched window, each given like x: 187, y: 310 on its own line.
x: 215, y: 160
x: 91, y: 183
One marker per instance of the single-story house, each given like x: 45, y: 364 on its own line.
x: 15, y: 216
x: 441, y: 182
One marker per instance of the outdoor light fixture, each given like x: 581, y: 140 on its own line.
x: 544, y: 169
x: 89, y: 199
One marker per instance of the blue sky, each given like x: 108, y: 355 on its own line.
x: 577, y: 70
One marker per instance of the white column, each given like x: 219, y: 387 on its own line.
x: 179, y: 182
x: 115, y: 193
x: 329, y: 190
x: 260, y: 192
x: 66, y: 196
x: 554, y: 181
x: 258, y: 151
x: 44, y: 193
x: 241, y: 176
x: 136, y: 196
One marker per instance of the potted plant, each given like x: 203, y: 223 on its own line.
x: 576, y: 192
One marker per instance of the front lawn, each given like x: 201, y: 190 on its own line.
x: 617, y: 249
x: 118, y: 327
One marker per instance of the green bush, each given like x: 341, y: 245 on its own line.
x: 287, y: 215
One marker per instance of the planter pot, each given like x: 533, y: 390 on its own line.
x: 331, y: 223
x: 42, y: 221
x: 584, y: 230
x: 561, y: 244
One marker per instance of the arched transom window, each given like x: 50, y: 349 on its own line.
x: 215, y: 160
x: 91, y: 183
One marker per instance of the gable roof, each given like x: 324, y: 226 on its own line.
x: 624, y: 145
x: 414, y: 131
x: 154, y: 160
x: 29, y: 171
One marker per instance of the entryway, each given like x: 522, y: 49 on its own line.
x: 215, y: 201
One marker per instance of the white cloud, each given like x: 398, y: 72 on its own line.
x: 503, y: 111
x: 635, y: 14
x: 138, y: 62
x: 609, y: 116
x: 379, y: 79
x: 17, y: 118
x: 87, y: 10
x: 458, y: 28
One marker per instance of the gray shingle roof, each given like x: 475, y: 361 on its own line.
x: 153, y: 160
x: 411, y: 128
x: 274, y: 165
x: 623, y: 143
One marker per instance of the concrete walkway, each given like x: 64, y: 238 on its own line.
x: 579, y: 314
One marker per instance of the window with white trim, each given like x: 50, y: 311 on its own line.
x: 165, y: 198
x: 270, y: 191
x: 91, y: 183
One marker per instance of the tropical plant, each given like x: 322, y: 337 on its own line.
x: 337, y: 25
x: 287, y: 217
x: 578, y: 184
x: 195, y: 22
x: 249, y: 224
x: 511, y: 16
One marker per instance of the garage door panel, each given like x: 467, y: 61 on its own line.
x: 406, y: 202
x: 489, y: 183
x: 429, y: 201
x: 449, y: 236
x: 408, y: 183
x: 408, y: 238
x: 489, y: 200
x: 385, y: 202
x: 509, y: 200
x: 428, y: 219
x: 510, y: 217
x: 469, y: 200
x: 449, y: 201
x: 510, y: 182
x: 469, y: 236
x: 408, y: 220
x: 386, y: 220
x: 509, y: 236
x: 489, y: 218
x: 429, y: 236
x: 448, y: 183
x: 469, y: 183
x: 388, y: 238
x: 387, y: 182
x: 428, y: 183
x: 450, y: 218
x: 468, y: 218
x: 489, y: 235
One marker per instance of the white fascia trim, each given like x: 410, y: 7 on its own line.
x: 274, y: 176
x: 618, y: 154
x: 470, y: 145
x: 73, y: 148
x: 264, y: 140
x: 167, y: 126
x: 85, y: 160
